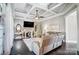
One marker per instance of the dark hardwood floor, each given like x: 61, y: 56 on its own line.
x: 19, y: 48
x: 65, y: 49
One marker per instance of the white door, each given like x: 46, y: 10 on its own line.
x: 71, y: 27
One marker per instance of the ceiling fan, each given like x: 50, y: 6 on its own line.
x: 37, y: 16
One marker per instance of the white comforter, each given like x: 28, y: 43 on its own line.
x: 29, y: 42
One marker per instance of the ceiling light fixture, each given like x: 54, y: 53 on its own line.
x: 37, y: 16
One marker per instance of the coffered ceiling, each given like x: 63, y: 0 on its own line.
x: 28, y: 10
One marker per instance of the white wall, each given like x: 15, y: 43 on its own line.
x: 9, y: 32
x: 78, y: 27
x: 18, y: 21
x: 57, y: 22
x: 71, y: 27
x: 21, y: 22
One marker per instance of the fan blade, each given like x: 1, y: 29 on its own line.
x: 41, y: 17
x: 30, y: 17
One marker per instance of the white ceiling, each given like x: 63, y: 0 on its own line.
x: 27, y: 10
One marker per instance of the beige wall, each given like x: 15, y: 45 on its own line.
x: 57, y: 24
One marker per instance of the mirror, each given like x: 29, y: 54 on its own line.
x: 18, y: 28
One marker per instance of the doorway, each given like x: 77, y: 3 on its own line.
x: 71, y: 31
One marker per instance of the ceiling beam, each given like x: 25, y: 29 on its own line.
x: 26, y: 15
x: 54, y: 8
x: 60, y: 14
x: 32, y: 20
x: 19, y: 14
x: 43, y: 8
x: 34, y: 5
x: 50, y: 12
x: 21, y: 18
x: 30, y: 10
x: 70, y: 7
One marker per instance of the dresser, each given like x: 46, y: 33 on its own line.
x: 1, y: 39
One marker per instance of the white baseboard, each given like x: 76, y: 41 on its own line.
x: 71, y: 42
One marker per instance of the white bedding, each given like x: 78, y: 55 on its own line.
x: 32, y: 44
x: 29, y: 42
